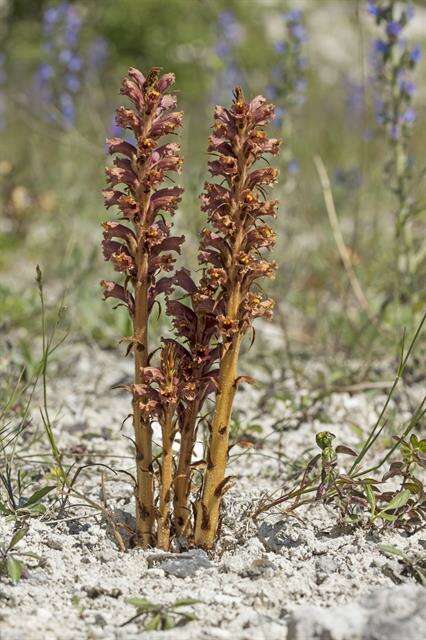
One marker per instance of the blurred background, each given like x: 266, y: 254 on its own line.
x: 61, y: 65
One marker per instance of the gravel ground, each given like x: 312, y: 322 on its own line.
x: 274, y: 578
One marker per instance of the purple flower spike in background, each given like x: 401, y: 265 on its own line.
x: 98, y: 53
x: 66, y: 63
x: 230, y: 34
x: 287, y: 85
x: 393, y: 63
x: 58, y: 78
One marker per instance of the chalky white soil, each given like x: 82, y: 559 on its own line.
x: 273, y: 579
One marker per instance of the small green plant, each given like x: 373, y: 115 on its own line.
x: 356, y: 497
x: 361, y: 497
x: 16, y: 504
x: 11, y: 558
x: 159, y: 617
x: 413, y: 566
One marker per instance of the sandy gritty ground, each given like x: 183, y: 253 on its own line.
x: 274, y: 578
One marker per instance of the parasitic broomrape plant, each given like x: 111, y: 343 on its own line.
x: 142, y: 247
x: 210, y: 319
x: 231, y: 252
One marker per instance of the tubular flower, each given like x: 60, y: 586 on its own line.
x: 232, y: 263
x: 141, y: 246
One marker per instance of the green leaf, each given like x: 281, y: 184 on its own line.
x: 38, y: 495
x: 17, y: 536
x: 422, y: 445
x: 28, y: 554
x: 4, y: 510
x: 185, y: 602
x: 371, y: 498
x: 415, y: 486
x: 414, y: 441
x: 390, y: 550
x: 386, y: 516
x: 14, y: 569
x: 140, y: 603
x: 154, y: 624
x: 168, y: 623
x: 397, y: 501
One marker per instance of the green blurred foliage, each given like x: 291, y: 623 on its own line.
x: 62, y: 172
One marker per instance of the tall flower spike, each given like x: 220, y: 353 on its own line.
x: 196, y: 324
x: 140, y: 246
x: 395, y: 62
x: 231, y: 252
x: 159, y: 393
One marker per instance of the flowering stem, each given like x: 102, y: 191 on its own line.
x: 207, y: 517
x: 237, y: 132
x: 209, y: 506
x: 167, y: 430
x: 182, y: 514
x: 141, y: 425
x: 142, y: 251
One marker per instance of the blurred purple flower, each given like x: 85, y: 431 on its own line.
x: 45, y: 71
x: 229, y: 35
x: 66, y: 103
x: 293, y: 16
x: 394, y: 60
x: 230, y: 26
x: 58, y: 76
x: 373, y: 9
x: 287, y: 75
x: 73, y: 84
x: 98, y: 53
x: 415, y: 54
x: 279, y: 116
x: 407, y: 87
x: 393, y: 29
x: 293, y: 167
x: 62, y: 71
x: 409, y: 116
x: 223, y: 48
x: 381, y: 47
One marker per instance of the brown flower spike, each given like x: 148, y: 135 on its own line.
x: 210, y: 319
x: 140, y: 246
x: 231, y: 252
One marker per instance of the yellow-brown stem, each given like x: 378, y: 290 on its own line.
x: 207, y: 517
x: 142, y: 426
x: 163, y: 535
x: 182, y: 513
x: 208, y: 508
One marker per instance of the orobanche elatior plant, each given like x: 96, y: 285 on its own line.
x: 210, y: 318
